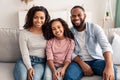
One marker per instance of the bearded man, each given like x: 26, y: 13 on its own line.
x: 92, y: 53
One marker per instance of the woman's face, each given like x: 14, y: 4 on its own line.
x: 38, y: 19
x: 57, y: 29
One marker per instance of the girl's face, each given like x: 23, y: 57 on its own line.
x: 57, y: 29
x: 38, y: 19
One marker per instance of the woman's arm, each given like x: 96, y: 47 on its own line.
x: 24, y: 49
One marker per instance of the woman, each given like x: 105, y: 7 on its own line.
x: 32, y: 45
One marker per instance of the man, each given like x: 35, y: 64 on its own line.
x: 92, y: 53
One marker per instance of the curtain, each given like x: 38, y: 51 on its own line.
x: 117, y: 14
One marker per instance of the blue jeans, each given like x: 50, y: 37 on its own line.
x: 48, y: 73
x: 20, y: 70
x: 74, y: 71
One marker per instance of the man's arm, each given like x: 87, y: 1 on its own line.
x: 85, y: 67
x: 108, y: 59
x: 108, y: 73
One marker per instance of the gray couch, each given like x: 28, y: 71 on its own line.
x: 10, y: 52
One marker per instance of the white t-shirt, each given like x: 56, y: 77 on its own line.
x: 85, y: 55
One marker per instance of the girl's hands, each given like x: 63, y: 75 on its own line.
x: 54, y: 76
x: 30, y: 74
x: 61, y: 72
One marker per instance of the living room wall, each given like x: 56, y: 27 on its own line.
x: 9, y: 9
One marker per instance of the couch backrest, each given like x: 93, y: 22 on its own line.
x: 9, y: 45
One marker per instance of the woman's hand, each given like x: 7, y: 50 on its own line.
x: 30, y: 74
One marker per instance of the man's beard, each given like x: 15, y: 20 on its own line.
x: 79, y: 26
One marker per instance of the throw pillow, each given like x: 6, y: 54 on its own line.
x: 116, y: 49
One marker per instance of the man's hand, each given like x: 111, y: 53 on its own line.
x: 108, y: 73
x: 30, y: 74
x: 85, y: 67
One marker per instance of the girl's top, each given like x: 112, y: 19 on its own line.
x: 59, y: 50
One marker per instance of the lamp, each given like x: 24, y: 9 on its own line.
x: 108, y: 11
x: 108, y: 17
x: 26, y: 3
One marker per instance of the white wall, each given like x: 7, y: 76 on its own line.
x: 9, y: 9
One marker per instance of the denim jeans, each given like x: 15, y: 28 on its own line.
x: 74, y: 71
x: 48, y: 73
x: 20, y: 70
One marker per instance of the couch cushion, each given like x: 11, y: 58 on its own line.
x: 118, y: 72
x: 9, y: 46
x: 6, y: 71
x: 92, y: 78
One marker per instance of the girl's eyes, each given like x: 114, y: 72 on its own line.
x: 53, y: 28
x: 58, y: 27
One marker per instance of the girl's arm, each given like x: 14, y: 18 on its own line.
x: 49, y: 54
x: 68, y: 59
x: 61, y: 72
x: 51, y: 65
x: 70, y: 51
x: 66, y: 65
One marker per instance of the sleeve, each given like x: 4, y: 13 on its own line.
x: 73, y: 55
x: 102, y: 39
x: 70, y: 51
x: 24, y: 49
x: 75, y: 51
x: 49, y: 52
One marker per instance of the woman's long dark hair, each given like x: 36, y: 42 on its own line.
x: 67, y: 32
x: 30, y: 15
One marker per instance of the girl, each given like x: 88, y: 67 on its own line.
x: 32, y: 45
x: 60, y: 46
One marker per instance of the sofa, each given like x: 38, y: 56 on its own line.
x: 10, y: 52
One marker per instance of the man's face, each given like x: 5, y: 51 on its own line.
x: 77, y: 18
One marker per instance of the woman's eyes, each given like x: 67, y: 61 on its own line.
x: 38, y: 17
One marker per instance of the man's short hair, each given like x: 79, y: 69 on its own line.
x: 77, y: 6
